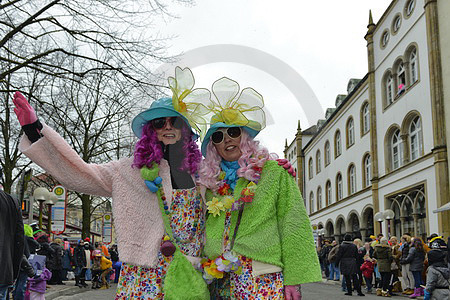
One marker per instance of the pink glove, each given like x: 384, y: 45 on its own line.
x: 286, y: 165
x: 24, y: 112
x: 292, y: 292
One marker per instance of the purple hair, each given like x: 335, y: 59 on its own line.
x: 148, y: 150
x: 251, y: 161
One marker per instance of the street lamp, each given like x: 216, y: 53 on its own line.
x: 52, y: 199
x: 379, y: 217
x: 41, y: 195
x: 389, y: 214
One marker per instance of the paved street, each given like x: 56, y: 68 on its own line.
x: 316, y: 291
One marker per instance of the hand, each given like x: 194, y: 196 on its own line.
x: 292, y: 292
x: 287, y: 166
x: 24, y: 112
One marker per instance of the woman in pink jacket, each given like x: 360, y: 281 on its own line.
x: 166, y: 160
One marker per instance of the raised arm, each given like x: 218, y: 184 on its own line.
x: 49, y: 150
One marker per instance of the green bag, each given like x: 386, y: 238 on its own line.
x: 182, y: 281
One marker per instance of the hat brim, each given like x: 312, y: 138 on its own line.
x: 154, y: 113
x: 251, y: 132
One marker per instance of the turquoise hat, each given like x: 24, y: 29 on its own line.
x: 160, y: 108
x: 215, y: 126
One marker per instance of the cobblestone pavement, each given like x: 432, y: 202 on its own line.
x: 313, y: 291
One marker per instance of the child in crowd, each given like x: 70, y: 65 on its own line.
x: 367, y: 270
x: 38, y: 284
x: 437, y: 276
x: 101, y: 268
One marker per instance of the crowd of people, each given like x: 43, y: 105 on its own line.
x: 410, y: 266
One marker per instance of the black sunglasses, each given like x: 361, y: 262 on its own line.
x: 218, y: 136
x: 160, y: 123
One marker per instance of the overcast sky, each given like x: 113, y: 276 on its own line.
x: 322, y: 41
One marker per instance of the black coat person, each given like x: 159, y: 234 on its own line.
x: 346, y: 259
x: 11, y: 238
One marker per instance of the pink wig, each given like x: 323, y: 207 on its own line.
x: 148, y: 150
x: 251, y: 161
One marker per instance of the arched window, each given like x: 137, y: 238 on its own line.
x: 310, y: 168
x: 337, y: 144
x: 389, y: 89
x: 311, y: 202
x: 401, y: 78
x: 327, y: 153
x: 415, y: 138
x: 410, y: 7
x: 365, y: 117
x: 350, y: 132
x: 396, y: 150
x: 414, y: 66
x: 319, y: 198
x: 295, y: 151
x: 339, y: 187
x: 329, y: 196
x: 367, y: 171
x: 318, y: 162
x: 351, y: 179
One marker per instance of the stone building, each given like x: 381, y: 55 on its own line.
x: 384, y: 144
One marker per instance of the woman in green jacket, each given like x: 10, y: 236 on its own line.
x: 383, y: 255
x: 259, y: 240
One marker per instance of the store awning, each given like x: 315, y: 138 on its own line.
x: 442, y: 208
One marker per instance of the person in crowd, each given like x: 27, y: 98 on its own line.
x: 66, y: 259
x: 437, y: 284
x: 334, y: 269
x: 396, y: 285
x: 416, y: 258
x: 383, y: 255
x: 407, y: 276
x: 44, y: 248
x: 346, y: 259
x: 256, y: 217
x: 359, y: 258
x: 82, y: 262
x: 367, y: 271
x: 117, y: 265
x: 323, y: 255
x: 38, y: 285
x: 54, y: 264
x: 12, y: 246
x: 368, y: 249
x: 100, y: 268
x: 26, y: 270
x: 166, y: 160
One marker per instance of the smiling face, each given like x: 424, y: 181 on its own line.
x: 230, y: 148
x: 168, y: 134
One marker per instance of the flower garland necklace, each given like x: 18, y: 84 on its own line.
x: 218, y: 204
x: 154, y: 183
x: 227, y: 262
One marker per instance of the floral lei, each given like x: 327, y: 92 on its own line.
x: 216, y: 205
x: 227, y: 262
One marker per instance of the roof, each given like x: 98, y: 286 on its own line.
x: 337, y: 110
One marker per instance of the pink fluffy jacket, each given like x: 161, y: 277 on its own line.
x: 137, y: 217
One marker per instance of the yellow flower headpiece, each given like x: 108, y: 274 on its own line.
x: 189, y: 102
x: 232, y: 108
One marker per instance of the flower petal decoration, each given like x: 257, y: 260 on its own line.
x: 191, y: 103
x: 232, y: 108
x: 215, y: 206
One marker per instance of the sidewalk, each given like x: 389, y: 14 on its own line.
x: 54, y: 291
x: 338, y: 284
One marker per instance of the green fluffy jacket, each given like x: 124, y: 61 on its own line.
x: 274, y: 229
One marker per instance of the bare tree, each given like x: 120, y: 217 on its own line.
x: 36, y: 33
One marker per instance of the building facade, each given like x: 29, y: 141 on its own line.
x: 383, y: 147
